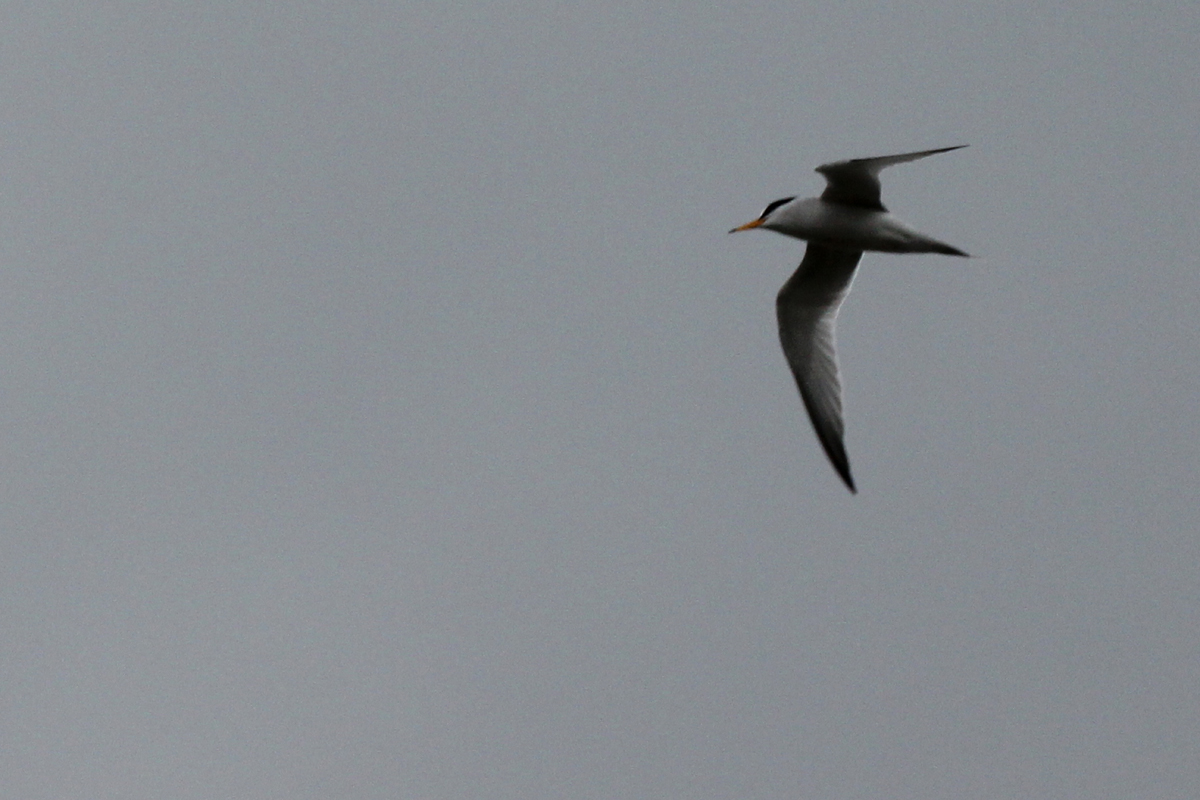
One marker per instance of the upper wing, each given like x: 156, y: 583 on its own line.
x: 807, y: 306
x: 856, y: 182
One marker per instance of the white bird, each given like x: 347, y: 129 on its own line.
x: 845, y: 220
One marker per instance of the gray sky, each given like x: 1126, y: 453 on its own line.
x: 386, y: 412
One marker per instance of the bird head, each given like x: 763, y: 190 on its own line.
x: 764, y: 216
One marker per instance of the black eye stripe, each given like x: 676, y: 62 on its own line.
x: 774, y: 206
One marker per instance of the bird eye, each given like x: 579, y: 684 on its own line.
x: 774, y: 206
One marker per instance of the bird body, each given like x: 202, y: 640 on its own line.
x: 851, y: 227
x: 846, y: 220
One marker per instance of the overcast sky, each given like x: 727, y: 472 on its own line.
x: 387, y: 414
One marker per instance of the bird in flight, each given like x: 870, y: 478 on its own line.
x: 847, y: 219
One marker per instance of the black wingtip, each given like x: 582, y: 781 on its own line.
x: 841, y: 465
x: 849, y: 481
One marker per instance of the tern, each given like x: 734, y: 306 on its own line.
x: 846, y: 220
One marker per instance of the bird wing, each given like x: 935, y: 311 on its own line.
x: 856, y: 182
x: 807, y: 306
